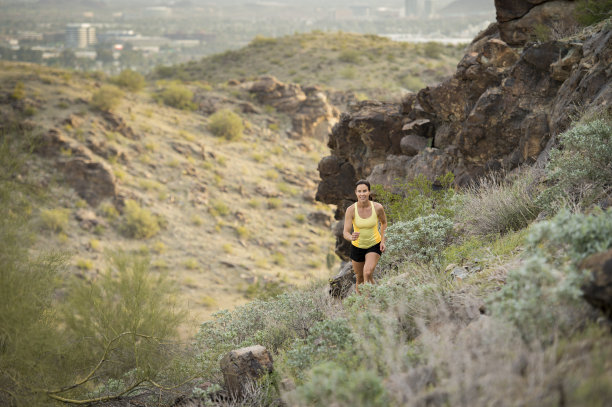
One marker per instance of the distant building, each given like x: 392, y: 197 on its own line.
x: 427, y: 8
x: 80, y: 35
x: 412, y: 8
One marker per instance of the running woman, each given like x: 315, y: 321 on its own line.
x: 367, y: 238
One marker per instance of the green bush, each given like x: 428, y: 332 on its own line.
x: 107, y: 98
x: 225, y: 123
x: 589, y: 12
x: 273, y: 324
x: 56, y: 219
x: 350, y: 56
x: 178, y: 96
x: 330, y: 384
x: 421, y: 240
x: 325, y: 341
x: 433, y: 49
x: 580, y: 167
x: 417, y: 198
x: 128, y: 306
x: 137, y: 222
x: 544, y: 293
x: 498, y: 205
x: 130, y: 80
x: 18, y: 91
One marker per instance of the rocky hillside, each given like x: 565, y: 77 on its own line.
x: 368, y: 65
x: 520, y: 83
x: 228, y: 220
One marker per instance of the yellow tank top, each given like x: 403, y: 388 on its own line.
x: 367, y: 228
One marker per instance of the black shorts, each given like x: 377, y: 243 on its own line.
x: 358, y: 254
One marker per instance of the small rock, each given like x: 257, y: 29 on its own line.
x: 242, y: 366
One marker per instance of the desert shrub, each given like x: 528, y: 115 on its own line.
x: 589, y: 12
x: 330, y: 384
x: 227, y: 124
x: 419, y: 197
x: 498, y: 205
x: 433, y: 49
x: 56, y: 219
x: 107, y: 98
x: 421, y: 240
x: 18, y: 91
x: 350, y: 56
x: 137, y: 222
x: 273, y: 324
x: 27, y: 286
x: 325, y: 341
x: 581, y: 167
x: 177, y: 95
x: 412, y: 83
x: 544, y: 293
x: 130, y: 80
x: 129, y: 307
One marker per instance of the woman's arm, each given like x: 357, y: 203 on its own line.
x: 382, y: 218
x: 348, y: 224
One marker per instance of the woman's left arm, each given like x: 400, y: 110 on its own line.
x: 382, y: 218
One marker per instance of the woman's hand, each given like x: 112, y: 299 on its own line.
x: 355, y: 236
x: 383, y: 246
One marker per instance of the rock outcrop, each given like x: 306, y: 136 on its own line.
x: 92, y: 179
x: 311, y: 113
x: 241, y: 367
x: 498, y: 111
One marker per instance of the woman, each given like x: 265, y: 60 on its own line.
x: 368, y: 242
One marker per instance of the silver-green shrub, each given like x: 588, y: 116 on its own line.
x: 272, y: 324
x: 544, y: 294
x: 331, y: 384
x: 581, y: 168
x: 325, y: 341
x: 420, y: 241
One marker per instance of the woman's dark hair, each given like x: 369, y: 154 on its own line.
x: 364, y: 182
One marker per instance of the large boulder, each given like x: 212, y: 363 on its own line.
x: 241, y: 367
x: 92, y: 180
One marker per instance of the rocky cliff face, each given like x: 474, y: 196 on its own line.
x: 506, y: 100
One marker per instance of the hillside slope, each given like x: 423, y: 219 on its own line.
x: 236, y: 218
x: 367, y: 64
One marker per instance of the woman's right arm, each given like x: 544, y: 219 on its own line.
x: 348, y: 224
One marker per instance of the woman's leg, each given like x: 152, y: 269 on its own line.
x: 371, y: 260
x: 358, y: 269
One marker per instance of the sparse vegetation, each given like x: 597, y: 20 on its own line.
x: 138, y: 222
x: 129, y: 80
x: 176, y: 95
x: 107, y: 98
x: 227, y: 124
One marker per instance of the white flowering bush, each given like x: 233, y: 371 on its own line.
x: 544, y: 293
x: 421, y: 240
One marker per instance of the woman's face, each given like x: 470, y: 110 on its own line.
x: 362, y: 192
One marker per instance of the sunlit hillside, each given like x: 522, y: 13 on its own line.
x: 370, y: 65
x: 228, y: 220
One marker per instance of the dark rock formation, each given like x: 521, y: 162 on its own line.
x: 597, y: 291
x: 518, y: 20
x: 243, y: 366
x: 93, y: 181
x: 498, y: 111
